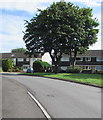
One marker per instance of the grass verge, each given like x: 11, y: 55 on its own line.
x: 92, y: 79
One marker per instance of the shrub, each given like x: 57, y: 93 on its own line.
x: 37, y: 66
x: 15, y: 69
x: 46, y: 66
x: 20, y: 68
x: 86, y: 71
x: 7, y: 65
x: 40, y: 66
x: 1, y: 69
x: 73, y: 70
x: 62, y: 71
x: 99, y: 71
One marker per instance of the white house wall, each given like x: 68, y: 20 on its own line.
x: 46, y: 57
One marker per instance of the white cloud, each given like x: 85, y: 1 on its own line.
x: 91, y: 3
x: 97, y: 45
x: 32, y: 5
x: 11, y: 32
x: 12, y: 25
x: 26, y: 5
x: 11, y: 41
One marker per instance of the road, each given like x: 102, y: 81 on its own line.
x: 0, y: 98
x: 16, y: 103
x: 62, y: 99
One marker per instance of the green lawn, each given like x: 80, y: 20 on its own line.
x: 96, y: 79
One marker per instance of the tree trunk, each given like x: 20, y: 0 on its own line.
x: 73, y: 62
x: 73, y: 59
x: 56, y: 69
x: 56, y: 61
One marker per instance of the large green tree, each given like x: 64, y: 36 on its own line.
x: 61, y: 28
x: 84, y: 32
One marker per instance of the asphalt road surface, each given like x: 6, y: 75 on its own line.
x: 62, y: 99
x: 16, y: 103
x: 0, y: 98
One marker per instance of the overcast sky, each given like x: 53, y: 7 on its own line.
x: 14, y: 12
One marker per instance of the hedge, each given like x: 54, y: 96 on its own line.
x: 40, y: 66
x: 73, y: 70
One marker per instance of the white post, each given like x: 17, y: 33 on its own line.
x: 30, y: 60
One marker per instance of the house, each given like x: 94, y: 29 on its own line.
x: 20, y: 59
x: 92, y: 59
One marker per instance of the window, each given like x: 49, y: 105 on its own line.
x: 33, y: 59
x: 20, y: 59
x: 99, y: 59
x: 79, y: 59
x: 65, y: 59
x: 87, y: 67
x: 26, y: 66
x: 87, y: 59
x: 99, y: 68
x: 27, y: 59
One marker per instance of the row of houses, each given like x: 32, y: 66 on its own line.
x: 20, y: 59
x: 92, y: 59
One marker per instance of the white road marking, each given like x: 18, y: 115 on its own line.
x: 40, y: 106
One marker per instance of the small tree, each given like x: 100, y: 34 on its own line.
x: 18, y: 50
x: 7, y: 65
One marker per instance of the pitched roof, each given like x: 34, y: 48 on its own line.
x: 92, y: 53
x: 15, y: 55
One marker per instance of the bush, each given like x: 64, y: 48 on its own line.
x: 40, y: 66
x: 46, y: 66
x: 62, y: 71
x: 99, y: 71
x: 37, y: 66
x: 73, y: 70
x: 20, y: 68
x: 86, y: 71
x: 1, y: 69
x: 7, y: 65
x: 17, y: 69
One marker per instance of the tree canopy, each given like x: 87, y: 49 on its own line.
x: 18, y: 50
x: 61, y: 28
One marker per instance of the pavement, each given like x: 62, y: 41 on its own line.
x: 61, y: 99
x: 16, y: 103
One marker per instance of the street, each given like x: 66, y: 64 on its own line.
x: 61, y: 99
x: 16, y: 103
x: 0, y: 98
